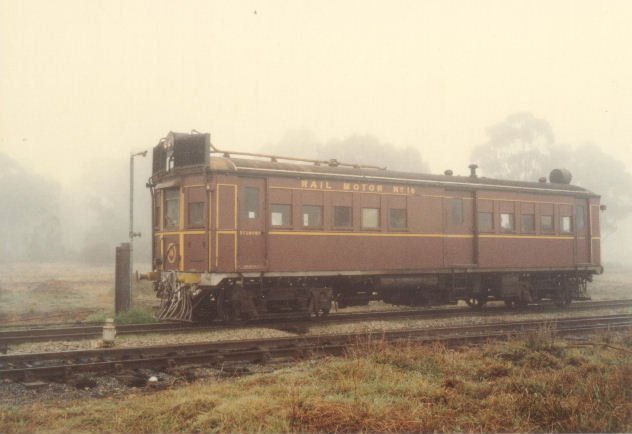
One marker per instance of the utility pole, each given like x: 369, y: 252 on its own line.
x: 132, y: 234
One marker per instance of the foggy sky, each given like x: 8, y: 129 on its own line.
x: 85, y: 80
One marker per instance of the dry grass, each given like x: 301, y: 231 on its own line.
x: 527, y: 385
x: 60, y: 292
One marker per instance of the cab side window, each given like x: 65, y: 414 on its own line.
x: 172, y: 208
x: 196, y: 214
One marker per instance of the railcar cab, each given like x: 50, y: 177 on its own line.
x: 180, y: 202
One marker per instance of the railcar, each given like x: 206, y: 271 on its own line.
x: 241, y: 235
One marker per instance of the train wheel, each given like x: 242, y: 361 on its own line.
x: 562, y: 298
x: 475, y: 302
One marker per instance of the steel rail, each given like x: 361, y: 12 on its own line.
x: 11, y: 337
x: 25, y: 366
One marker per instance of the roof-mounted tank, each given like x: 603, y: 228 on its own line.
x: 560, y: 176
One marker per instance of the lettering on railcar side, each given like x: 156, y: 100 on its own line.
x: 357, y: 187
x: 249, y: 233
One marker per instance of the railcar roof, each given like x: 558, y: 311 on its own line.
x: 378, y: 175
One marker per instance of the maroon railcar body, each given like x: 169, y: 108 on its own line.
x: 248, y: 236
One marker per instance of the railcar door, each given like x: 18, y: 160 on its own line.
x: 252, y: 225
x: 225, y: 241
x: 458, y: 224
x: 582, y: 233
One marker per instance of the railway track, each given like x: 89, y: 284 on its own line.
x: 44, y: 334
x: 59, y: 365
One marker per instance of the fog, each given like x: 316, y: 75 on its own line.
x: 415, y: 86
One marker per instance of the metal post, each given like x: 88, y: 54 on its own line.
x: 131, y: 226
x: 132, y: 234
x: 122, y: 298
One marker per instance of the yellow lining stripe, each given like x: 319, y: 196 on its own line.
x: 536, y: 237
x: 189, y: 232
x: 409, y: 235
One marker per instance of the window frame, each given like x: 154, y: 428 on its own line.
x: 367, y: 208
x: 512, y: 222
x: 167, y: 200
x: 203, y: 209
x: 547, y: 230
x: 321, y: 212
x: 461, y: 213
x: 347, y: 226
x: 579, y: 213
x: 157, y: 212
x: 246, y: 199
x: 570, y: 224
x: 390, y: 219
x: 522, y: 220
x: 491, y: 221
x: 289, y: 206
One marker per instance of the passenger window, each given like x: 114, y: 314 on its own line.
x: 251, y: 203
x: 506, y: 222
x: 546, y: 223
x: 485, y: 221
x: 456, y: 205
x: 565, y: 224
x: 172, y: 208
x: 342, y: 216
x: 312, y: 216
x: 528, y: 223
x: 370, y: 218
x: 580, y: 216
x: 397, y: 218
x: 281, y: 215
x: 196, y: 213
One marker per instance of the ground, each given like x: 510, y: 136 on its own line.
x: 61, y: 292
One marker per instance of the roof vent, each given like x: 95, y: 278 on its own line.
x: 542, y: 179
x: 448, y: 172
x: 473, y: 168
x: 560, y: 176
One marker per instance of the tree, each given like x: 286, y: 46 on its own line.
x: 355, y: 149
x: 522, y: 147
x: 103, y: 197
x: 29, y: 214
x: 604, y: 175
x: 518, y: 148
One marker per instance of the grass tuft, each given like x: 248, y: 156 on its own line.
x: 136, y: 316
